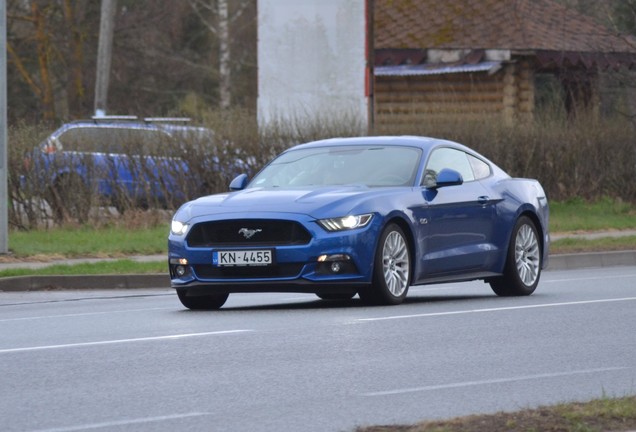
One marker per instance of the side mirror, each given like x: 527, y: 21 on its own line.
x: 239, y: 183
x: 448, y: 177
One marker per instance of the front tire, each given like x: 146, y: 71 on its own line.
x: 523, y: 263
x: 392, y: 269
x: 202, y: 302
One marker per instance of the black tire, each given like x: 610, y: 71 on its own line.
x: 391, y: 269
x: 202, y: 302
x: 337, y: 296
x: 523, y: 262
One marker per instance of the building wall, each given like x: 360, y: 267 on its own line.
x: 311, y: 61
x: 507, y: 95
x: 518, y: 92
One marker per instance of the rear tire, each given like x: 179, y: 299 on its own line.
x: 523, y: 263
x: 391, y: 270
x: 202, y: 302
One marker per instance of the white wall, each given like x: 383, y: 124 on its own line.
x: 311, y: 61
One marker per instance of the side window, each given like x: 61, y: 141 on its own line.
x: 449, y: 158
x: 480, y: 168
x: 81, y: 139
x: 115, y: 140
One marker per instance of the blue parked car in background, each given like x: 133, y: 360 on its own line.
x: 368, y: 216
x: 121, y: 161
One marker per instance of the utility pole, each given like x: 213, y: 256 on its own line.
x: 4, y: 196
x: 104, y: 55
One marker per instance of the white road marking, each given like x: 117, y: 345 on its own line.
x: 81, y: 314
x: 444, y: 287
x: 120, y: 341
x: 123, y: 422
x: 492, y: 381
x: 469, y: 311
x: 592, y: 278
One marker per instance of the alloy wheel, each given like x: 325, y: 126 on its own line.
x: 527, y: 257
x: 395, y: 263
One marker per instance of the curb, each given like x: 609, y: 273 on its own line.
x: 592, y: 260
x: 162, y: 280
x: 76, y: 282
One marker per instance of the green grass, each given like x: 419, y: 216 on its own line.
x: 605, y: 244
x: 123, y: 266
x: 119, y: 242
x: 570, y: 216
x: 91, y: 242
x: 579, y: 215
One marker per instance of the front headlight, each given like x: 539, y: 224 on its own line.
x: 178, y: 228
x: 346, y: 222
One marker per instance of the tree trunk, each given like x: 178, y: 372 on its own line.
x: 224, y: 56
x: 75, y: 87
x: 43, y: 45
x: 24, y: 73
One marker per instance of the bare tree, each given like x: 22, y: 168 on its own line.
x: 622, y: 18
x: 168, y: 54
x: 75, y: 87
x: 217, y: 19
x: 46, y: 52
x: 40, y: 84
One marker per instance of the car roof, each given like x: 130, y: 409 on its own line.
x: 424, y: 143
x: 162, y: 124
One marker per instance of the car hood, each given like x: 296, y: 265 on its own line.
x: 316, y: 202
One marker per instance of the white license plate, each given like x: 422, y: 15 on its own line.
x: 261, y: 257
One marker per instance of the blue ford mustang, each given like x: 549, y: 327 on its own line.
x: 368, y: 216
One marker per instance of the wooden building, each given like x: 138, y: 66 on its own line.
x: 479, y: 59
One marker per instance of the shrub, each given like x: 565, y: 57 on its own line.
x: 586, y: 158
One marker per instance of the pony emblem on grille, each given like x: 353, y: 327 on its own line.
x: 249, y: 233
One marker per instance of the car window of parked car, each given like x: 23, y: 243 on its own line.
x: 446, y: 157
x: 114, y: 140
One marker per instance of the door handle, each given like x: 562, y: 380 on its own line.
x: 483, y: 200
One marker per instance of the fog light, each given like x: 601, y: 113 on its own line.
x: 335, y: 264
x: 180, y: 270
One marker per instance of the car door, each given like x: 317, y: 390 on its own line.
x: 142, y: 167
x: 460, y: 219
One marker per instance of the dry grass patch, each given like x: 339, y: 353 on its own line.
x: 603, y: 415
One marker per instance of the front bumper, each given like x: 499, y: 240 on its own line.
x: 297, y: 268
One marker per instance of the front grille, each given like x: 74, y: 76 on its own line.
x: 243, y: 232
x: 206, y: 271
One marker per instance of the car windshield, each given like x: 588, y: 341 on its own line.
x: 373, y: 166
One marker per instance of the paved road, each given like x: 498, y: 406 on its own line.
x: 137, y: 361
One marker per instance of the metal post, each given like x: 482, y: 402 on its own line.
x: 104, y: 54
x: 4, y: 196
